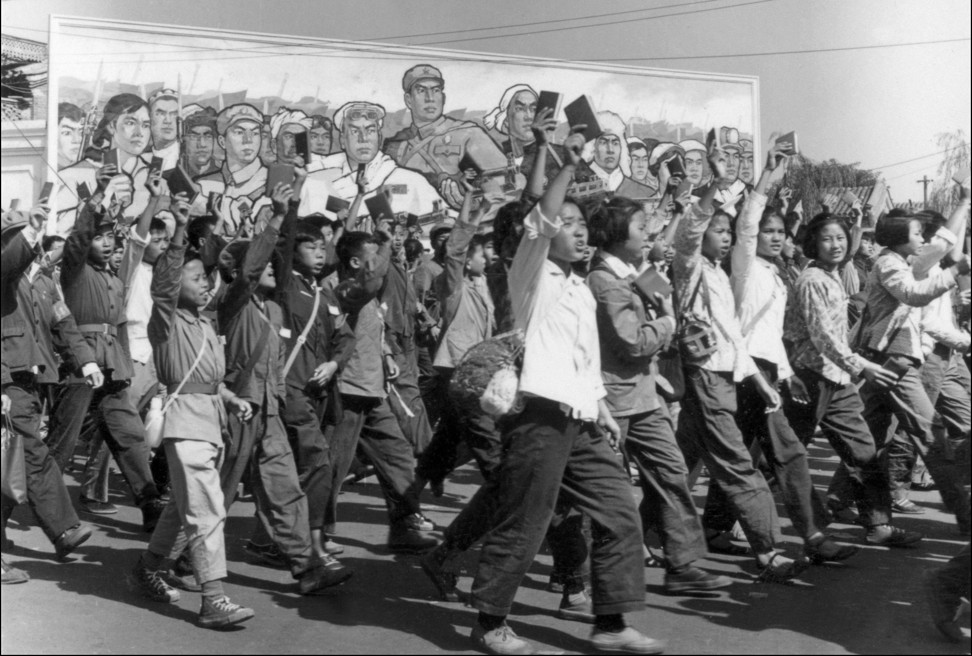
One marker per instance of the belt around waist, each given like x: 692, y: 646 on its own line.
x: 98, y: 329
x: 193, y: 388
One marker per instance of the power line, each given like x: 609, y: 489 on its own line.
x: 488, y: 28
x: 785, y: 52
x: 617, y: 22
x: 39, y: 153
x: 915, y: 159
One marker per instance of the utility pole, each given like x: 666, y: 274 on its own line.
x: 924, y: 182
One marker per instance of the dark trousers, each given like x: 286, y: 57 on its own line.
x: 46, y: 494
x: 548, y: 454
x: 952, y: 582
x: 945, y: 379
x: 407, y: 395
x: 302, y: 416
x: 649, y: 441
x: 429, y: 385
x: 118, y: 422
x: 910, y: 405
x: 784, y: 452
x: 370, y: 422
x: 458, y: 426
x: 840, y: 413
x: 259, y: 450
x: 707, y: 431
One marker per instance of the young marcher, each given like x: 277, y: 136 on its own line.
x: 554, y: 446
x: 827, y: 365
x: 707, y: 428
x: 30, y: 364
x: 256, y: 356
x: 890, y: 333
x: 761, y: 301
x: 190, y: 363
x: 366, y: 414
x: 319, y: 343
x: 96, y: 299
x: 632, y: 334
x: 466, y: 310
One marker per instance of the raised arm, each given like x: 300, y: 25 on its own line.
x: 256, y: 259
x: 167, y: 276
x: 457, y: 247
x: 19, y: 253
x: 543, y: 127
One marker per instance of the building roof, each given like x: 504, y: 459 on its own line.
x: 17, y: 49
x: 878, y: 196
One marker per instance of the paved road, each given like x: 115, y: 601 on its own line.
x: 872, y: 605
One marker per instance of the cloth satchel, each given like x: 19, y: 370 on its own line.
x: 154, y: 418
x: 13, y: 469
x: 487, y: 378
x: 696, y: 334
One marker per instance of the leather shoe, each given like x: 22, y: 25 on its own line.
x: 71, y: 539
x: 326, y: 574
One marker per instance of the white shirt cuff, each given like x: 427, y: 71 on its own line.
x: 89, y: 369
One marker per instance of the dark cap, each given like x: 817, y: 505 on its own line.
x: 420, y: 72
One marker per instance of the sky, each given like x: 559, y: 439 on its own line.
x: 879, y: 106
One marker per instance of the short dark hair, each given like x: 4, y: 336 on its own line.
x: 70, y: 111
x: 508, y: 217
x: 609, y: 223
x: 933, y: 222
x: 770, y: 214
x: 818, y: 223
x: 158, y: 225
x: 200, y: 228
x: 305, y: 231
x: 478, y: 242
x: 894, y: 228
x: 351, y: 244
x: 637, y: 145
x: 47, y: 243
x: 413, y: 249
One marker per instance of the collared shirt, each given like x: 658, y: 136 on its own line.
x: 613, y: 179
x: 558, y: 314
x: 246, y: 186
x: 136, y: 277
x: 177, y: 336
x: 817, y: 327
x: 86, y: 171
x: 410, y: 191
x: 895, y: 295
x: 714, y: 301
x: 759, y: 290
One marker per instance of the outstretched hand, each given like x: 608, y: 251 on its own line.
x: 574, y: 144
x: 179, y: 206
x: 282, y: 193
x: 38, y: 217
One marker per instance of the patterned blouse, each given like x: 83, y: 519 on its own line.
x: 817, y: 328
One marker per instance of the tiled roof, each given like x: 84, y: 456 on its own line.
x: 18, y: 49
x: 877, y: 196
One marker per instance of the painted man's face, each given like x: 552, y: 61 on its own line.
x: 695, y: 167
x: 607, y: 152
x: 361, y: 139
x: 199, y: 145
x: 319, y: 141
x: 426, y: 100
x: 520, y: 114
x: 165, y: 121
x: 286, y: 143
x: 242, y: 143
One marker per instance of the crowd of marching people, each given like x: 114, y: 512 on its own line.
x: 282, y: 336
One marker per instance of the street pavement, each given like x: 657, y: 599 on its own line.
x: 874, y: 604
